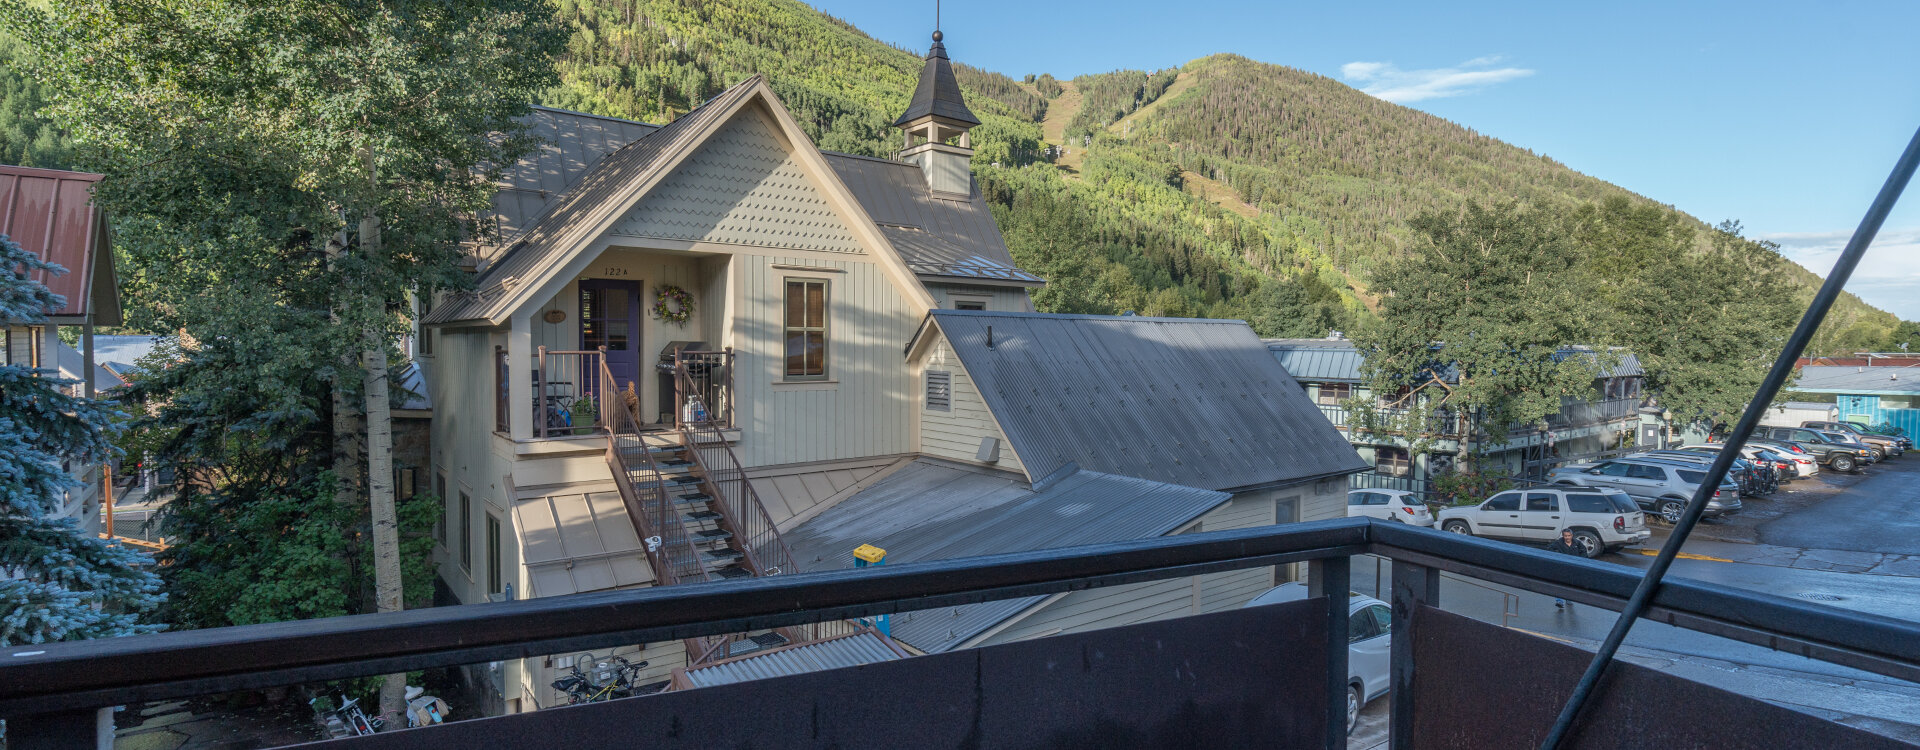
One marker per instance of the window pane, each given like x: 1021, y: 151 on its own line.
x: 816, y: 305
x: 1542, y: 501
x: 1504, y: 501
x: 616, y: 337
x: 1382, y: 618
x: 796, y: 353
x: 816, y: 353
x: 1360, y: 627
x: 796, y: 296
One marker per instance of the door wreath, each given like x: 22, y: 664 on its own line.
x: 672, y: 304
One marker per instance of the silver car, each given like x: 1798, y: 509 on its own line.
x: 1660, y: 486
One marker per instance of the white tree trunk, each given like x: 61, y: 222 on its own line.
x: 387, y: 588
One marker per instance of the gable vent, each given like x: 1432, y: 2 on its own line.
x: 939, y: 390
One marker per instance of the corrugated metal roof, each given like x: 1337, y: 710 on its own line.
x: 846, y: 651
x: 1627, y: 366
x: 1866, y: 380
x: 1187, y: 401
x: 410, y: 384
x: 542, y: 244
x: 939, y: 92
x: 936, y: 510
x: 50, y: 213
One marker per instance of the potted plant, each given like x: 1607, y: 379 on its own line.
x: 585, y: 415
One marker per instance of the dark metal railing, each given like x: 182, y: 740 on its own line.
x: 708, y: 377
x: 502, y: 417
x: 568, y: 392
x: 643, y: 489
x: 51, y: 690
x: 742, y: 512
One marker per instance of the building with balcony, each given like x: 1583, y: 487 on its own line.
x: 51, y: 214
x: 1618, y: 417
x: 708, y: 350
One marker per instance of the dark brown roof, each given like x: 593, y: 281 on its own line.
x: 939, y: 92
x: 572, y: 142
x: 50, y: 213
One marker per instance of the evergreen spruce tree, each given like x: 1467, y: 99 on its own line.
x: 60, y: 583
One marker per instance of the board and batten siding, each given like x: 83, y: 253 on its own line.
x: 956, y: 433
x: 1113, y: 606
x: 865, y: 406
x: 997, y: 298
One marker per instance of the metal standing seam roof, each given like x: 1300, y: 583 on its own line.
x: 1318, y: 360
x: 50, y: 213
x: 1893, y: 381
x: 571, y: 144
x: 608, y: 181
x: 1186, y: 401
x: 589, y: 158
x: 936, y: 510
x: 864, y: 647
x: 938, y: 93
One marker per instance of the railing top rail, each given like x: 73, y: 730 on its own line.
x: 60, y: 676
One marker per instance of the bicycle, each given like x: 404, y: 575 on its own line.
x: 608, y: 679
x: 349, y: 713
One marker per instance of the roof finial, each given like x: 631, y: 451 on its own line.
x: 936, y: 20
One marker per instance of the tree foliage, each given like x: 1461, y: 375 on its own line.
x: 27, y: 137
x: 57, y: 581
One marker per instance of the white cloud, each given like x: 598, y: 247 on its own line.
x: 1389, y: 82
x: 1888, y: 277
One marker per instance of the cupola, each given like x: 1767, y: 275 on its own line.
x: 937, y: 114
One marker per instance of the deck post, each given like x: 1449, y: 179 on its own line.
x: 1414, y: 586
x: 1331, y: 578
x: 520, y: 396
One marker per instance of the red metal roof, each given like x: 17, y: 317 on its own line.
x: 51, y: 214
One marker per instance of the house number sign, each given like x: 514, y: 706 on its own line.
x: 613, y: 271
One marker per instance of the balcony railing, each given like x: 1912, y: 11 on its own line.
x: 1578, y: 414
x: 705, y: 378
x: 1270, y: 676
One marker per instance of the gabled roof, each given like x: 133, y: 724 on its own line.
x: 609, y: 188
x: 1185, y: 401
x: 50, y: 213
x: 936, y: 510
x: 1892, y: 381
x: 938, y: 94
x: 1339, y: 361
x: 571, y: 144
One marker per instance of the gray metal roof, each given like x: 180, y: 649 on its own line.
x: 939, y: 92
x: 1186, y: 401
x: 853, y: 650
x: 936, y: 510
x: 589, y: 159
x: 1864, y: 380
x: 1338, y: 361
x: 571, y: 144
x: 936, y: 236
x: 1318, y: 360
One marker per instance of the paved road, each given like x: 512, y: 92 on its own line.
x: 1880, y: 514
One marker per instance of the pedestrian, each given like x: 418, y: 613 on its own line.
x: 1564, y: 545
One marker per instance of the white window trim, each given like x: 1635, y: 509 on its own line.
x: 826, y: 375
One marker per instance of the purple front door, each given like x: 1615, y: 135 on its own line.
x: 610, y: 317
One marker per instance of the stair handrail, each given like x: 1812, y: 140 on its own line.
x: 651, y: 511
x: 761, y: 540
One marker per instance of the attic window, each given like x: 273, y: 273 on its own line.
x: 939, y: 390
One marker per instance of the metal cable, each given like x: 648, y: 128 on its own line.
x: 1782, y: 367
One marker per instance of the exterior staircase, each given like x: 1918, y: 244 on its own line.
x: 699, y: 517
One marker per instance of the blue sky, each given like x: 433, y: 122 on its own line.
x: 1785, y: 117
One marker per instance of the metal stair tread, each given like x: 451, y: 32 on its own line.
x: 733, y: 571
x: 706, y: 535
x: 703, y: 515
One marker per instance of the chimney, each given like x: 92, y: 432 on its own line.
x: 937, y: 114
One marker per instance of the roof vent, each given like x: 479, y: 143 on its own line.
x: 939, y: 390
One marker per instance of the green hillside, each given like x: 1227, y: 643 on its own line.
x: 1224, y: 188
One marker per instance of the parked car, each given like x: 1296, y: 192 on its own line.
x: 1369, y: 643
x: 1602, y: 520
x: 1389, y: 505
x: 1779, y: 468
x: 1804, y: 463
x: 1892, y: 445
x: 1754, y: 479
x: 1875, y: 452
x: 1836, y: 456
x: 1659, y: 486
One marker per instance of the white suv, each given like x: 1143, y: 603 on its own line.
x: 1602, y: 520
x: 1389, y: 505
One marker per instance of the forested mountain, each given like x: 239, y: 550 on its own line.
x: 1225, y: 188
